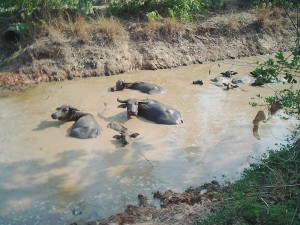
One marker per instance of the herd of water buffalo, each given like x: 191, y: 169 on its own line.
x: 86, y: 126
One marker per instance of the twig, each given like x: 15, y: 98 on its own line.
x: 145, y: 158
x: 288, y: 185
x: 105, y: 104
x: 295, y: 26
x: 295, y: 213
x: 265, y: 202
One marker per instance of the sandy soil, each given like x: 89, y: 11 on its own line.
x: 52, y: 56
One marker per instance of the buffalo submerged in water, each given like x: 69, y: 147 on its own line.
x: 151, y: 110
x: 124, y: 135
x: 139, y: 86
x: 85, y: 125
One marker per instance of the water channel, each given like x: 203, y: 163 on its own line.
x: 47, y: 177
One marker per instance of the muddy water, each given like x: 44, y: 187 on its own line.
x: 47, y: 177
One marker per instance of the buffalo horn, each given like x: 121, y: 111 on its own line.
x: 122, y: 101
x: 143, y: 101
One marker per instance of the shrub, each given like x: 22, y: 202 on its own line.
x: 271, y: 70
x: 153, y: 16
x: 30, y: 9
x: 214, y: 5
x: 182, y: 10
x: 267, y: 3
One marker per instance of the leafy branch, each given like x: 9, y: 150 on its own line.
x: 280, y: 68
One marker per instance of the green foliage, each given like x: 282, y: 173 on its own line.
x: 23, y: 27
x: 214, y: 5
x: 153, y: 16
x: 289, y: 99
x: 182, y: 10
x: 267, y: 3
x: 273, y: 69
x: 29, y: 8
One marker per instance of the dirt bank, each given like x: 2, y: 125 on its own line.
x: 86, y: 49
x: 176, y: 208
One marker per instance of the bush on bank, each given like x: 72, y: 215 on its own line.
x: 267, y: 193
x: 182, y: 10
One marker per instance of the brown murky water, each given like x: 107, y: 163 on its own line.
x: 47, y: 177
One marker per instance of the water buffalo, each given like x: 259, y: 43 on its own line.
x: 243, y: 79
x: 85, y: 125
x: 230, y: 86
x: 229, y: 73
x: 260, y: 116
x: 151, y: 110
x: 124, y: 135
x: 200, y: 82
x: 140, y: 86
x: 221, y: 81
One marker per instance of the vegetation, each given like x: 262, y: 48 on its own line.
x: 41, y: 9
x: 26, y: 14
x: 181, y: 10
x: 273, y: 70
x: 267, y: 193
x: 40, y: 12
x: 268, y: 3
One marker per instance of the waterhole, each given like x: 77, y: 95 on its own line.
x: 48, y: 177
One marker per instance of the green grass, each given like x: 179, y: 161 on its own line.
x: 267, y: 193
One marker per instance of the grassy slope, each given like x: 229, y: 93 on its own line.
x: 267, y: 193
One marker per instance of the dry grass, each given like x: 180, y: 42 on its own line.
x: 82, y: 28
x: 165, y: 29
x: 274, y: 18
x: 111, y: 27
x: 233, y: 24
x: 85, y: 29
x: 57, y: 28
x: 262, y: 16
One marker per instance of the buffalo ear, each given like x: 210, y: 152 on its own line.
x: 134, y: 135
x: 122, y: 106
x: 143, y: 106
x: 73, y: 108
x: 118, y: 137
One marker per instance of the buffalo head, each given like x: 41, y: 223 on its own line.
x: 124, y: 135
x: 132, y: 106
x: 64, y: 113
x: 125, y: 138
x: 120, y: 85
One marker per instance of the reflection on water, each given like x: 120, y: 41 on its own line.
x: 50, y: 178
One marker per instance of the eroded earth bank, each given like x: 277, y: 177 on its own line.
x: 90, y: 49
